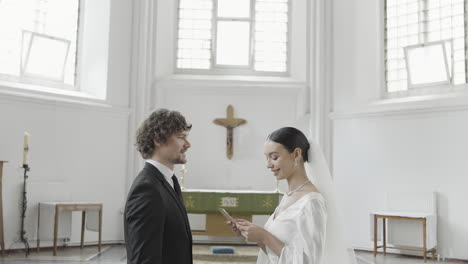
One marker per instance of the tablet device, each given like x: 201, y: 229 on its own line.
x: 227, y: 215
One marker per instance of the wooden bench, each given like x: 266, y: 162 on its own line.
x: 70, y: 207
x: 422, y: 217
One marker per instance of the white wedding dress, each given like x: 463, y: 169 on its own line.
x: 301, y: 227
x: 311, y: 228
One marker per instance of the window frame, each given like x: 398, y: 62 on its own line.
x: 30, y: 80
x: 425, y: 89
x: 214, y: 29
x: 226, y: 69
x: 449, y: 78
x: 24, y: 73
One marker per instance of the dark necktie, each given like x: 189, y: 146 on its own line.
x: 177, y: 189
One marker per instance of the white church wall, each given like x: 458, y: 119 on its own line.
x: 82, y: 149
x: 381, y: 146
x: 265, y: 107
x: 78, y: 146
x: 119, y: 65
x: 415, y: 152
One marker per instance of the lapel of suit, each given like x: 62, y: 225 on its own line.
x: 171, y: 190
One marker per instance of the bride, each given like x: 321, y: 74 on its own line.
x: 305, y: 227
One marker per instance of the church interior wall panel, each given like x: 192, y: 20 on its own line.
x: 357, y: 56
x: 79, y: 146
x: 410, y: 153
x: 407, y: 144
x: 119, y: 61
x: 265, y: 110
x: 265, y: 106
x: 83, y: 149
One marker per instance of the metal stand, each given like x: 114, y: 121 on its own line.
x: 24, y: 206
x: 2, y: 238
x: 182, y: 177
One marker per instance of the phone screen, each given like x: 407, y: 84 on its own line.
x: 227, y: 215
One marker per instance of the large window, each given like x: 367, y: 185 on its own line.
x: 38, y: 41
x: 413, y: 22
x: 239, y: 36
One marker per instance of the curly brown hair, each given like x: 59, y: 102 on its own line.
x: 159, y: 126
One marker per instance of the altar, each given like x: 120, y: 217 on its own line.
x: 239, y: 203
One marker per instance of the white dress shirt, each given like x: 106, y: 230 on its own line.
x: 168, y: 173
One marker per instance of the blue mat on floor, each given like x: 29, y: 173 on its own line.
x: 222, y: 250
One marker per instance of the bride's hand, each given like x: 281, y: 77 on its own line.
x: 234, y: 227
x: 252, y: 233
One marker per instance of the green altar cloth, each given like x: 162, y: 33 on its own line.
x: 235, y: 202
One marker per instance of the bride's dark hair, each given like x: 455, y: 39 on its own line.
x: 291, y: 138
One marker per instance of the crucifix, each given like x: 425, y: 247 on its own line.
x: 229, y: 123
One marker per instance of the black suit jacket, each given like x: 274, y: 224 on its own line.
x: 157, y: 229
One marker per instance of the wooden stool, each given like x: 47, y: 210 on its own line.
x: 70, y: 207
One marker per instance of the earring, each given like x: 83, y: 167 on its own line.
x: 295, y: 163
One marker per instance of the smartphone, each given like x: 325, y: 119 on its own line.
x: 227, y: 215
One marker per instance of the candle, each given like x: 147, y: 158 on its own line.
x: 26, y: 149
x: 182, y: 178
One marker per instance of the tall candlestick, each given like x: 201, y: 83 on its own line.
x: 26, y: 149
x: 182, y: 178
x: 26, y: 168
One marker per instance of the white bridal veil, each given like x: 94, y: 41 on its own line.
x: 337, y: 248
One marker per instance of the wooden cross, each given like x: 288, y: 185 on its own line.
x: 229, y: 123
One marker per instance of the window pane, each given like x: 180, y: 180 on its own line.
x: 427, y: 64
x: 55, y: 18
x: 194, y: 36
x: 412, y: 22
x: 271, y: 36
x: 233, y: 43
x: 233, y: 37
x: 234, y: 8
x: 45, y: 57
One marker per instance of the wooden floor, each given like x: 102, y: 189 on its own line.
x: 202, y: 255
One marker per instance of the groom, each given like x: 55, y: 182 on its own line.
x: 156, y: 226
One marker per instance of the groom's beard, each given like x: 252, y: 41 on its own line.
x: 181, y: 159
